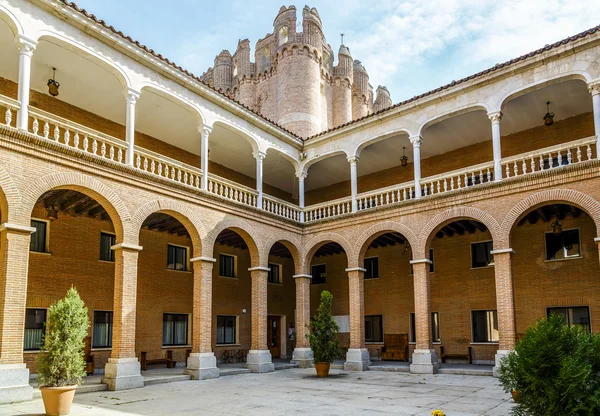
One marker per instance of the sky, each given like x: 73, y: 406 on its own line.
x: 411, y: 46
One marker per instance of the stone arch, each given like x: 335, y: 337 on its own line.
x: 110, y: 201
x: 254, y: 143
x: 244, y: 229
x: 190, y: 220
x: 10, y: 198
x: 291, y: 243
x: 316, y: 242
x: 379, y: 138
x: 376, y: 230
x: 11, y: 20
x: 452, y: 113
x: 569, y: 196
x: 295, y: 162
x: 321, y: 157
x: 176, y: 99
x: 448, y: 216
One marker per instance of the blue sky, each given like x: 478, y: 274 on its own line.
x: 411, y: 46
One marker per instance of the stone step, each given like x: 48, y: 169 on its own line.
x: 395, y: 369
x: 284, y: 366
x: 165, y: 379
x: 233, y: 371
x: 84, y: 388
x: 486, y: 371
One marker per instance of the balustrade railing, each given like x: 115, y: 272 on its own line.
x: 328, y: 209
x: 231, y: 191
x: 8, y: 111
x: 386, y: 196
x: 281, y: 208
x: 168, y: 168
x: 457, y: 179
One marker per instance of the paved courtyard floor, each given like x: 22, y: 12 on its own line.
x: 297, y: 391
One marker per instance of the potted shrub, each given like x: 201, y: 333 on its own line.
x: 322, y: 336
x: 554, y: 370
x: 60, y: 365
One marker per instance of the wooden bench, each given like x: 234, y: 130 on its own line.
x: 395, y: 347
x: 468, y: 356
x: 168, y: 360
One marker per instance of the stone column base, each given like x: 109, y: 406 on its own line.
x: 303, y: 357
x: 14, y: 383
x: 500, y: 354
x: 424, y: 362
x: 202, y: 366
x: 123, y: 374
x: 357, y: 359
x: 259, y: 361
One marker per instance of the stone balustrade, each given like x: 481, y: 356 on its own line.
x: 8, y: 109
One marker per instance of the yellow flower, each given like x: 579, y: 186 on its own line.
x: 437, y: 413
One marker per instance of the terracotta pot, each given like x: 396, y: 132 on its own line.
x: 515, y: 396
x: 322, y: 369
x: 57, y: 400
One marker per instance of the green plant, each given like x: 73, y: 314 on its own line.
x: 61, y: 361
x: 555, y: 369
x: 322, y: 332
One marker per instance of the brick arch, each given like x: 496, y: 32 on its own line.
x: 291, y: 243
x: 244, y: 229
x: 448, y: 216
x: 110, y: 201
x: 370, y: 234
x: 316, y: 242
x: 190, y: 220
x: 10, y: 198
x: 568, y: 196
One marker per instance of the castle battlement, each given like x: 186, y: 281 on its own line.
x: 293, y: 80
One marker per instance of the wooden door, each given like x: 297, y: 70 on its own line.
x: 274, y: 336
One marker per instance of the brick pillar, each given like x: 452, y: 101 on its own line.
x: 202, y: 363
x: 505, y: 301
x: 14, y: 262
x: 122, y: 371
x: 424, y: 358
x: 259, y: 358
x: 357, y: 358
x: 302, y: 354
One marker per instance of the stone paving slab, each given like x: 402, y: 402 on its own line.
x: 297, y: 392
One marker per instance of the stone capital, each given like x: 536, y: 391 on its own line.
x: 416, y: 141
x: 126, y: 246
x: 302, y: 174
x: 203, y: 259
x: 298, y: 276
x: 15, y: 228
x: 594, y: 87
x: 502, y: 251
x: 597, y: 239
x: 204, y: 129
x: 495, y: 116
x: 421, y: 261
x: 356, y: 269
x: 353, y: 159
x: 259, y: 155
x: 131, y: 95
x: 25, y: 45
x: 259, y: 268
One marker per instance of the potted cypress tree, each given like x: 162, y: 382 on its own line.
x: 322, y: 335
x: 60, y: 365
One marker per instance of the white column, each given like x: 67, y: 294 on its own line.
x: 495, y: 119
x: 204, y: 131
x: 259, y: 156
x: 595, y: 91
x: 301, y: 176
x: 353, y: 180
x: 131, y: 96
x: 416, y: 143
x: 26, y: 48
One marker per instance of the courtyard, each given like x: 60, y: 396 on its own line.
x: 297, y: 391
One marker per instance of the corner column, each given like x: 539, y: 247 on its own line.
x: 122, y: 371
x: 595, y: 91
x: 302, y: 355
x: 259, y: 358
x: 505, y: 299
x: 495, y: 119
x: 204, y: 131
x: 424, y: 358
x: 416, y: 143
x: 14, y: 265
x: 131, y: 96
x: 202, y: 363
x: 259, y: 156
x: 357, y: 358
x: 353, y: 181
x: 26, y: 48
x: 301, y: 176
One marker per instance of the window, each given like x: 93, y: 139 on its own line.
x: 435, y: 327
x: 107, y: 240
x: 38, y: 238
x: 373, y: 328
x: 480, y: 254
x: 431, y: 265
x: 319, y: 274
x: 226, y: 265
x: 176, y: 258
x: 574, y: 316
x: 226, y: 330
x: 372, y: 266
x: 35, y: 327
x: 175, y: 329
x: 102, y: 331
x: 274, y: 273
x: 562, y: 246
x: 485, y: 326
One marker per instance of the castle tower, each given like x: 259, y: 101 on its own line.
x: 360, y: 91
x: 223, y: 71
x: 243, y: 71
x: 342, y: 88
x: 383, y: 99
x: 298, y: 72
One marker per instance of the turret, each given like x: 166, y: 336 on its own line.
x: 223, y: 71
x: 360, y: 91
x: 342, y: 88
x: 383, y: 99
x: 312, y: 28
x: 241, y: 60
x: 285, y: 25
